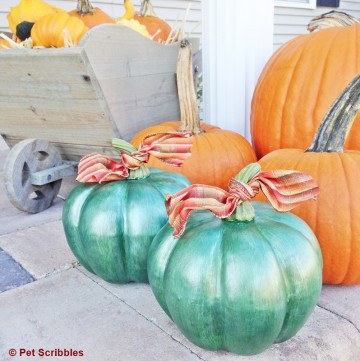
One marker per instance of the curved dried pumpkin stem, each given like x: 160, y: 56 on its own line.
x: 334, y: 128
x: 129, y: 10
x: 147, y: 9
x: 189, y: 110
x: 84, y: 7
x: 331, y: 19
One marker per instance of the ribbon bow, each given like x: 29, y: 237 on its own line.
x: 172, y: 148
x: 285, y: 190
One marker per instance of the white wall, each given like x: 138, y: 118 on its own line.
x: 289, y: 22
x: 235, y: 49
x: 172, y: 11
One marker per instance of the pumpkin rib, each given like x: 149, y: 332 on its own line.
x: 293, y: 82
x: 350, y: 165
x: 284, y: 98
x: 302, y: 164
x: 325, y: 66
x: 125, y: 245
x: 286, y: 333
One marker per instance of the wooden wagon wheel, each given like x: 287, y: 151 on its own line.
x: 25, y: 158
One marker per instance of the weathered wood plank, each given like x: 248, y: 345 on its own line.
x: 113, y: 85
x: 141, y: 91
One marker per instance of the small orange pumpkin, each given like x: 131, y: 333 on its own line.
x: 29, y: 10
x: 50, y: 30
x: 335, y: 215
x: 89, y: 15
x: 216, y: 154
x: 158, y: 28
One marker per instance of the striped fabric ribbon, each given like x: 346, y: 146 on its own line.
x: 172, y: 148
x: 284, y: 189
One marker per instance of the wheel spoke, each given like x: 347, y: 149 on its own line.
x: 25, y: 158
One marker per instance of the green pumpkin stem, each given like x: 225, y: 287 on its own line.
x: 334, y: 128
x: 140, y: 173
x: 123, y: 145
x: 189, y: 110
x: 245, y: 211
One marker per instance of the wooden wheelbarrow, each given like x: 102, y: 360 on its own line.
x: 60, y: 104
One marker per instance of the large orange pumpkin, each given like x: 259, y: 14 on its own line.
x: 89, y: 15
x: 335, y: 216
x: 298, y: 85
x: 216, y: 154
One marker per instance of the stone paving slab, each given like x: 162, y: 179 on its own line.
x: 69, y: 311
x: 67, y: 307
x: 41, y: 250
x: 343, y: 301
x: 317, y: 340
x: 12, y: 274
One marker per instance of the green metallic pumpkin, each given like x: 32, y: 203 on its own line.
x: 235, y: 285
x: 109, y: 226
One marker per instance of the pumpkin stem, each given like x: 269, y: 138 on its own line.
x: 139, y: 173
x: 84, y: 7
x: 331, y: 19
x: 147, y: 9
x: 123, y: 145
x: 245, y: 212
x: 129, y: 10
x: 189, y: 111
x: 334, y: 128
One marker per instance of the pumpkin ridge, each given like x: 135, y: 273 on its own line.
x: 217, y: 267
x: 275, y: 94
x: 280, y: 260
x: 294, y: 128
x: 344, y: 259
x: 325, y: 66
x: 285, y: 279
x: 79, y: 245
x: 124, y: 246
x: 302, y: 164
x: 345, y: 159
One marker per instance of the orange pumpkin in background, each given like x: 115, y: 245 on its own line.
x: 334, y: 216
x: 158, y: 28
x: 53, y: 29
x: 216, y: 154
x: 89, y: 15
x: 29, y: 10
x: 299, y: 83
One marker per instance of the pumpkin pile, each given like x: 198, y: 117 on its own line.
x: 43, y: 25
x: 175, y: 211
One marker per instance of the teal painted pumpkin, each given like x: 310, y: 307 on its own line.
x: 237, y: 286
x: 109, y: 226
